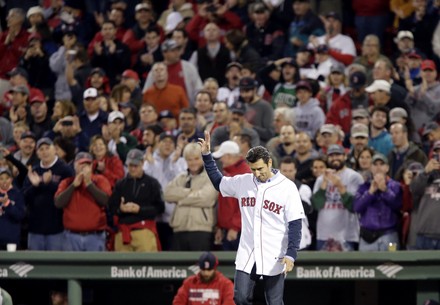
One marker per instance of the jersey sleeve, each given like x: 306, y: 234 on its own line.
x: 294, y: 208
x: 232, y: 186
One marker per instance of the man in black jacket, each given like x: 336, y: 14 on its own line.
x: 137, y: 200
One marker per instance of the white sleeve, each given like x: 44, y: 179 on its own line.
x: 305, y: 193
x: 294, y: 208
x: 232, y: 186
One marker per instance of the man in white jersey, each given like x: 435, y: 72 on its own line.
x: 271, y: 216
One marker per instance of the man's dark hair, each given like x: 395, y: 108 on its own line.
x: 287, y: 160
x: 184, y: 33
x: 189, y: 110
x: 153, y: 29
x: 256, y: 153
x: 236, y: 38
x: 246, y: 138
x: 154, y: 128
x: 381, y: 109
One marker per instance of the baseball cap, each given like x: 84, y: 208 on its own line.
x: 428, y: 64
x: 130, y: 74
x: 334, y: 15
x: 239, y: 108
x: 337, y: 68
x: 20, y: 89
x: 259, y: 8
x: 208, y: 261
x: 335, y: 149
x: 414, y: 55
x: 290, y: 62
x: 37, y: 98
x: 172, y: 21
x: 135, y: 156
x: 379, y: 85
x: 417, y: 166
x: 90, y: 92
x: 99, y: 71
x: 429, y: 127
x: 83, y: 157
x: 305, y: 49
x: 169, y: 44
x: 397, y: 113
x: 34, y: 10
x: 359, y: 113
x: 28, y: 134
x: 68, y: 29
x: 165, y: 135
x: 114, y: 115
x: 5, y: 170
x: 227, y: 147
x: 379, y: 156
x: 327, y: 128
x: 322, y: 48
x: 18, y: 71
x: 357, y: 80
x: 247, y: 83
x: 142, y: 6
x: 234, y: 64
x: 165, y: 114
x: 359, y: 130
x: 436, y: 145
x: 303, y: 84
x: 44, y: 140
x: 405, y: 34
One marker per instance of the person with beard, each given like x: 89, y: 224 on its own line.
x: 359, y: 141
x: 150, y: 137
x: 209, y: 286
x: 333, y: 195
x: 259, y: 114
x: 378, y: 202
x: 380, y: 138
x: 286, y: 146
x: 304, y: 156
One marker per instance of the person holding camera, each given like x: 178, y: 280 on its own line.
x: 378, y: 202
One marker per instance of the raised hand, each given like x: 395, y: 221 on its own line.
x: 34, y: 178
x: 205, y: 143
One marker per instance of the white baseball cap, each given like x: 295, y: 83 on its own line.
x: 90, y: 92
x: 173, y: 20
x: 405, y: 34
x: 227, y: 147
x: 115, y: 115
x: 379, y: 84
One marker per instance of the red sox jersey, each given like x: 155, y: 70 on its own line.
x: 266, y: 209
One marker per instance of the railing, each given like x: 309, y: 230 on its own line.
x: 421, y: 266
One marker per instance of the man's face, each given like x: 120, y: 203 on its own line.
x: 233, y: 75
x: 211, y: 32
x: 148, y: 114
x: 96, y: 80
x: 302, y: 58
x: 179, y: 38
x: 247, y: 95
x: 38, y: 110
x: 398, y: 136
x: 117, y: 17
x: 287, y: 135
x: 18, y: 98
x: 261, y: 170
x: 303, y: 95
x: 405, y: 45
x: 108, y: 31
x: 336, y: 161
x: 116, y: 126
x: 152, y: 40
x: 143, y: 15
x: 380, y: 97
x: 13, y: 19
x: 359, y: 143
x: 288, y: 72
x: 203, y: 103
x: 46, y: 153
x: 135, y: 170
x: 260, y: 18
x: 18, y: 80
x: 379, y: 119
x: 380, y: 71
x: 300, y: 8
x: 187, y: 122
x: 207, y: 275
x: 5, y: 181
x: 379, y: 167
x: 329, y: 138
x: 27, y: 146
x: 333, y: 26
x: 172, y: 56
x: 148, y: 138
x: 303, y: 144
x: 83, y: 166
x: 429, y: 75
x: 370, y: 47
x: 221, y: 113
x: 288, y: 170
x: 91, y: 105
x: 166, y: 147
x: 194, y: 162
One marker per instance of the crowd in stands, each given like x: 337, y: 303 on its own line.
x: 102, y: 104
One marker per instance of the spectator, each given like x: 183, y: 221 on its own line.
x: 180, y: 36
x: 92, y: 118
x: 163, y: 161
x: 17, y: 131
x: 35, y: 16
x: 105, y: 163
x: 370, y: 54
x: 183, y: 7
x: 211, y: 85
x: 83, y: 199
x: 286, y: 146
x: 228, y: 229
x: 383, y: 69
x: 242, y: 51
x: 222, y: 115
x: 121, y: 142
x: 137, y: 201
x: 403, y: 151
x: 399, y: 115
x: 45, y: 220
x: 230, y: 92
x: 149, y: 54
x: 380, y: 91
x: 380, y: 138
x: 13, y: 43
x: 359, y: 141
x: 168, y: 122
x: 283, y: 116
x: 213, y: 286
x: 333, y: 88
x: 180, y: 72
x: 364, y: 162
x: 378, y: 201
x: 265, y: 34
x: 188, y: 126
x: 203, y: 105
x: 26, y: 152
x: 164, y: 95
x: 65, y: 149
x: 304, y: 158
x: 147, y: 116
x: 309, y: 117
x: 341, y: 47
x: 371, y: 18
x: 131, y: 79
x: 212, y: 59
x: 12, y: 210
x: 80, y: 75
x: 40, y: 120
x: 193, y: 217
x: 333, y: 196
x: 304, y: 24
x: 68, y: 129
x: 62, y: 109
x: 211, y: 12
x: 111, y: 54
x: 150, y: 137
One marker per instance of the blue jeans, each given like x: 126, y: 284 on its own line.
x: 427, y: 243
x: 366, y: 25
x: 381, y: 244
x: 230, y: 245
x: 244, y: 288
x: 41, y: 242
x: 89, y: 242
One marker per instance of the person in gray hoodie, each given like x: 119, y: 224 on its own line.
x: 309, y: 116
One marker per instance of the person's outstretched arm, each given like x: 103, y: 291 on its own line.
x: 211, y: 168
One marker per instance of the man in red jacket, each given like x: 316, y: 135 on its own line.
x: 229, y: 218
x: 209, y: 286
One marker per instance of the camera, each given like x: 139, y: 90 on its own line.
x: 67, y: 123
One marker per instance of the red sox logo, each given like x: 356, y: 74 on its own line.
x: 267, y: 204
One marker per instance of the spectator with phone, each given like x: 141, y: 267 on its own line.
x: 69, y: 129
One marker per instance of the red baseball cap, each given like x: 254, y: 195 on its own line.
x: 37, y: 98
x: 130, y: 74
x: 428, y: 64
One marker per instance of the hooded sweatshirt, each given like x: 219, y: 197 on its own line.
x: 309, y: 117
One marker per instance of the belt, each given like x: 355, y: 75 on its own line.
x: 86, y: 233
